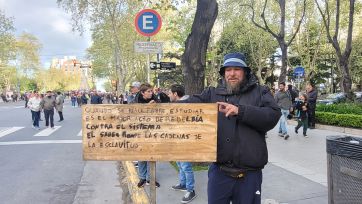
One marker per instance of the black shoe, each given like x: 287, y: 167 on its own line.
x: 188, y: 197
x: 60, y: 120
x: 296, y: 130
x: 178, y: 187
x: 280, y: 134
x: 286, y: 136
x: 141, y: 183
x: 305, y: 135
x: 156, y: 183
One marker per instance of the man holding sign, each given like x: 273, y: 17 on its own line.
x: 246, y: 112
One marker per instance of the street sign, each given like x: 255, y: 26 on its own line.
x: 148, y: 22
x: 148, y: 47
x: 299, y: 71
x: 167, y: 65
x: 153, y: 65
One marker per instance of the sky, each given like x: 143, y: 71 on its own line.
x: 50, y: 24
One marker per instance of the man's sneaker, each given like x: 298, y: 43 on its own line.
x: 280, y: 134
x: 157, y: 184
x: 188, y: 197
x: 178, y: 187
x: 296, y: 130
x: 305, y: 135
x: 141, y: 183
x: 33, y: 127
x: 286, y: 136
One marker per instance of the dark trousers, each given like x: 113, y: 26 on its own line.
x: 49, y: 114
x: 221, y: 189
x: 311, y: 117
x: 304, y: 123
x: 35, y: 116
x: 60, y: 115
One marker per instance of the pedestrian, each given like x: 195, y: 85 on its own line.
x: 246, y: 112
x: 34, y: 104
x: 186, y: 174
x: 145, y: 95
x: 59, y: 101
x: 95, y: 98
x: 301, y: 107
x: 312, y: 102
x: 284, y: 101
x: 135, y: 87
x: 79, y: 99
x: 48, y: 105
x: 26, y: 97
x: 84, y: 99
x: 73, y: 99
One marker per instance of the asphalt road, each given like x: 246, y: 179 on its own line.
x: 42, y: 166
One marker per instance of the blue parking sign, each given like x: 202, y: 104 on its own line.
x: 148, y: 22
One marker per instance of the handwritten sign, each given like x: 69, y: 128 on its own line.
x: 150, y: 132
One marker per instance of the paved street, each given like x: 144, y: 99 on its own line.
x: 46, y: 166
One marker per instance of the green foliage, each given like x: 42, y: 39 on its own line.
x: 343, y: 120
x: 341, y: 108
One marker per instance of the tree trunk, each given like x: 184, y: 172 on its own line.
x: 194, y: 57
x: 346, y: 80
x: 283, y: 69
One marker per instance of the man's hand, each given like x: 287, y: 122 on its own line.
x: 228, y: 109
x: 152, y: 101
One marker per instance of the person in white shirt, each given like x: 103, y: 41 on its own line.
x: 35, y: 107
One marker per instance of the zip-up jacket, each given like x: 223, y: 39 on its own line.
x: 241, y: 138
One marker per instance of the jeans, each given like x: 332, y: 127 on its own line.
x: 49, y: 114
x: 73, y: 103
x: 36, y: 116
x: 186, y: 175
x: 304, y: 123
x: 283, y: 121
x: 221, y: 189
x: 60, y: 115
x: 144, y: 170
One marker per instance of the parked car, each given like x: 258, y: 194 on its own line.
x: 333, y: 98
x: 358, y: 96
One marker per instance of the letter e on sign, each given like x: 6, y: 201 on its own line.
x: 148, y: 22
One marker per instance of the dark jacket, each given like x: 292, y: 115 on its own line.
x: 241, y: 138
x: 95, y: 99
x: 139, y: 99
x: 312, y: 98
x: 301, y: 114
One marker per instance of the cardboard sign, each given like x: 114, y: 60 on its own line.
x: 150, y: 132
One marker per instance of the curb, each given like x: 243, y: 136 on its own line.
x: 138, y: 195
x: 347, y: 130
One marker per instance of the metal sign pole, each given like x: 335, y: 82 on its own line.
x: 153, y: 182
x: 148, y: 63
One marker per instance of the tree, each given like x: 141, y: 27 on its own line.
x: 194, y: 57
x: 281, y: 35
x: 333, y: 38
x: 241, y: 36
x: 27, y: 51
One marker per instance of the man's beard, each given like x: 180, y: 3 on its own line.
x: 234, y: 88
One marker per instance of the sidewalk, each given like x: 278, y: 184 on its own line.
x: 296, y: 172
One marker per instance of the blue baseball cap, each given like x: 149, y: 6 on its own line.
x: 234, y: 60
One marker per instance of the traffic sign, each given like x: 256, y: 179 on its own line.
x: 162, y: 65
x: 148, y: 22
x: 153, y: 65
x: 167, y: 65
x: 148, y: 47
x: 299, y: 71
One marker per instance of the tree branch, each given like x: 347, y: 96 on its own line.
x: 266, y: 27
x: 299, y: 23
x: 325, y: 20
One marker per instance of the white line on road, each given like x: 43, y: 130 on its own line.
x: 9, y: 130
x: 41, y: 142
x: 80, y: 133
x: 47, y: 131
